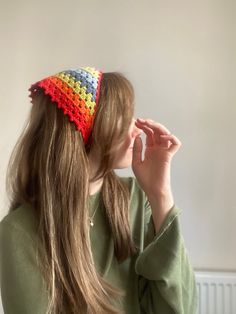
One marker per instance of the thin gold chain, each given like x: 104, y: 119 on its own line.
x: 91, y: 218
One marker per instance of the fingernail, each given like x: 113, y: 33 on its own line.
x: 141, y: 120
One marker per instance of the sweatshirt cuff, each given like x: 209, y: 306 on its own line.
x: 164, y: 247
x: 172, y: 215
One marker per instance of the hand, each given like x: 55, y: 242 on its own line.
x: 153, y: 173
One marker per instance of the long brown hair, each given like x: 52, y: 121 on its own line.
x: 49, y: 170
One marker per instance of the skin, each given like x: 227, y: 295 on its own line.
x: 125, y: 150
x: 153, y: 172
x: 123, y: 156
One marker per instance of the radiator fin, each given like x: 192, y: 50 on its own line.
x: 216, y: 292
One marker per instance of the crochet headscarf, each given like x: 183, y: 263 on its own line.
x: 76, y: 92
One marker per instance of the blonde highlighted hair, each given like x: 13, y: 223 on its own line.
x: 49, y: 169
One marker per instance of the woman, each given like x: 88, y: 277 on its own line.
x: 78, y: 238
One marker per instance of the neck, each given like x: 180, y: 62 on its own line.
x: 95, y: 186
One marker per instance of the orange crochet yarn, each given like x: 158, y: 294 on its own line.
x: 76, y: 92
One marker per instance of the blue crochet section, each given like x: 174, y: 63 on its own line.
x: 86, y: 79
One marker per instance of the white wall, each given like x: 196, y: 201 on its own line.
x: 180, y: 56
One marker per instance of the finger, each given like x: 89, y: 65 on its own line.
x: 171, y: 137
x: 149, y: 133
x: 156, y: 127
x: 143, y: 120
x: 137, y: 151
x: 176, y: 143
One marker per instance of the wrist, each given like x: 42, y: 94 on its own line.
x: 160, y: 205
x: 160, y: 196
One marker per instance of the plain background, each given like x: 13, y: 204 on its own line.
x: 180, y: 57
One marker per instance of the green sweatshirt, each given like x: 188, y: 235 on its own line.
x: 159, y: 279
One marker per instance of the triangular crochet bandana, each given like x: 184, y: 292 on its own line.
x: 76, y: 92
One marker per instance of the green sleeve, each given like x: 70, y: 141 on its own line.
x: 21, y: 283
x: 166, y: 278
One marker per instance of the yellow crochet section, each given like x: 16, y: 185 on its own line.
x: 82, y: 91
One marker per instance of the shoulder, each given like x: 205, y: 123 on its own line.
x: 20, y: 275
x: 139, y: 211
x: 136, y: 192
x: 19, y: 222
x: 132, y: 184
x: 139, y: 205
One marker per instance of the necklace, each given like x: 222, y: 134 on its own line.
x: 92, y: 217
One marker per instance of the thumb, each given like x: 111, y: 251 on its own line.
x: 137, y: 151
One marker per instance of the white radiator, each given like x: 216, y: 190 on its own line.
x: 216, y: 292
